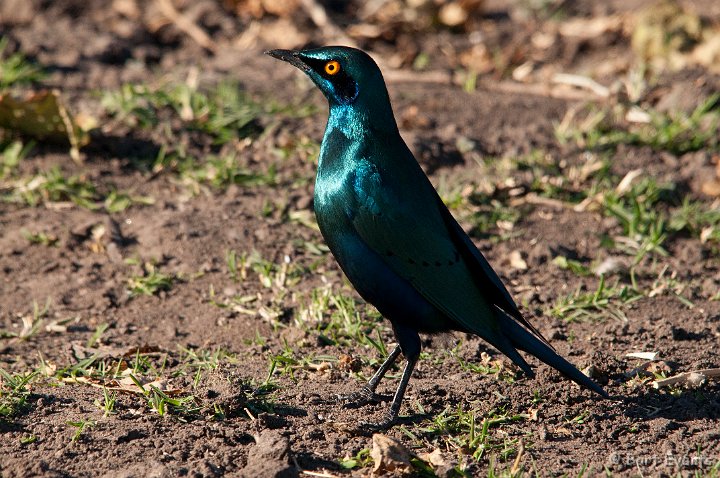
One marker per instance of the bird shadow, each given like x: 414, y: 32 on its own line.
x: 135, y: 153
x: 307, y: 461
x: 684, y: 406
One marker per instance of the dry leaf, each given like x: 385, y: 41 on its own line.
x: 48, y: 368
x: 43, y: 115
x: 389, y: 455
x: 441, y: 464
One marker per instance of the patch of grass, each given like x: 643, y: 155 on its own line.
x: 574, y: 266
x: 134, y: 105
x: 138, y: 376
x: 338, y: 319
x: 468, y: 432
x: 151, y: 282
x: 108, y: 403
x: 271, y: 275
x: 54, y: 186
x: 197, y: 361
x: 221, y: 172
x: 649, y: 215
x: 544, y: 174
x: 32, y: 323
x: 223, y: 111
x: 165, y: 404
x: 605, y: 302
x: 97, y: 334
x: 361, y: 459
x: 40, y: 238
x: 12, y: 155
x: 81, y: 426
x: 118, y: 201
x: 494, y: 215
x: 509, y: 187
x: 669, y: 283
x: 697, y: 219
x: 231, y: 261
x: 288, y: 362
x: 637, y: 210
x: 677, y: 133
x: 16, y: 69
x: 14, y: 392
x: 487, y: 366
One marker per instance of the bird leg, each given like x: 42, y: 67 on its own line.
x: 392, y: 414
x: 367, y: 393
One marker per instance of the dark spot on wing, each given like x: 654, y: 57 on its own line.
x: 438, y: 263
x: 389, y: 253
x: 425, y: 263
x: 411, y: 260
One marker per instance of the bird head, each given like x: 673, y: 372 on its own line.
x: 347, y: 77
x: 343, y: 74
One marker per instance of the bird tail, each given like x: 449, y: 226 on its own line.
x: 521, y: 338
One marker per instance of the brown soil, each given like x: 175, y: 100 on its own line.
x: 84, y: 279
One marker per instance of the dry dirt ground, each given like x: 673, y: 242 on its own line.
x: 168, y: 308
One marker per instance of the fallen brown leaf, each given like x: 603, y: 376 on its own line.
x: 389, y: 455
x: 43, y: 115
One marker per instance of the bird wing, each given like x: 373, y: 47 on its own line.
x: 484, y: 273
x: 413, y: 239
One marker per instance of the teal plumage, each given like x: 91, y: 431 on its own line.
x: 393, y: 236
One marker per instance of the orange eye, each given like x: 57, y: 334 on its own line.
x: 332, y: 67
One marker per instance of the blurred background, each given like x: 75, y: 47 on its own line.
x: 524, y: 39
x: 659, y: 54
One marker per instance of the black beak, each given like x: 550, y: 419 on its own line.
x: 290, y: 56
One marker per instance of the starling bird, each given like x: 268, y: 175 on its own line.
x: 392, y: 235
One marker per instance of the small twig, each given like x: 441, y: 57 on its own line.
x: 70, y: 128
x: 512, y: 87
x: 187, y: 26
x: 694, y: 378
x: 533, y: 198
x: 581, y: 82
x: 517, y: 466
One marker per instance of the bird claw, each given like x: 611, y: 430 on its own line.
x: 384, y: 424
x: 362, y: 397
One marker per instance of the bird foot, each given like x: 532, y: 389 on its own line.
x: 362, y: 397
x: 384, y: 424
